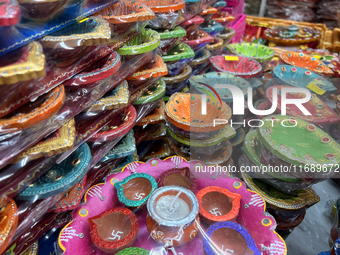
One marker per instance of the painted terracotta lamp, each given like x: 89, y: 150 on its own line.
x: 207, y: 13
x: 335, y: 66
x: 155, y: 117
x: 292, y: 35
x: 10, y: 14
x: 192, y: 24
x: 8, y: 223
x: 197, y: 40
x: 172, y: 216
x: 224, y: 18
x: 24, y: 64
x: 76, y: 40
x: 153, y: 94
x: 242, y: 67
x: 170, y: 38
x: 60, y: 177
x: 305, y: 61
x: 177, y: 83
x: 114, y: 229
x: 215, y: 48
x: 213, y: 28
x: 229, y: 237
x: 200, y: 61
x: 178, y: 177
x: 226, y: 35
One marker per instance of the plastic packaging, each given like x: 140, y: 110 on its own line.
x: 177, y: 83
x: 170, y: 39
x: 200, y: 61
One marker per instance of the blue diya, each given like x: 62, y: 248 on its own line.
x: 212, y: 28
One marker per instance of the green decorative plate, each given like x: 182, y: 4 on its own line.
x: 214, y: 78
x: 181, y: 51
x: 147, y: 41
x: 153, y: 94
x: 299, y: 144
x: 133, y: 251
x: 255, y: 51
x: 177, y: 32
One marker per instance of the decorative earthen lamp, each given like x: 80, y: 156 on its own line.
x: 114, y: 229
x: 218, y: 204
x: 172, y: 216
x: 179, y: 177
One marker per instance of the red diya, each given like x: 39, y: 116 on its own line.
x: 197, y: 39
x: 192, y: 24
x: 8, y: 223
x: 218, y: 204
x: 9, y: 13
x: 178, y: 177
x: 114, y: 229
x: 33, y: 113
x: 242, y: 67
x: 155, y: 117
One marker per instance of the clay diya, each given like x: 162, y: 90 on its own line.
x: 321, y: 113
x: 242, y: 67
x: 200, y: 61
x: 10, y: 15
x: 229, y: 237
x: 305, y: 61
x: 192, y: 24
x: 76, y: 40
x: 114, y: 229
x: 119, y: 125
x: 135, y: 189
x: 303, y: 78
x: 226, y: 35
x: 192, y: 7
x: 115, y: 99
x: 335, y: 66
x: 177, y: 83
x: 215, y: 47
x: 208, y: 12
x: 197, y: 39
x: 207, y: 3
x: 292, y: 35
x: 172, y: 216
x: 219, y: 4
x: 133, y: 251
x: 23, y: 64
x: 218, y: 204
x: 170, y: 38
x: 60, y: 177
x: 8, y: 223
x: 260, y: 53
x: 224, y: 18
x: 123, y: 15
x: 42, y: 11
x: 155, y: 68
x: 61, y: 141
x: 177, y: 58
x: 178, y: 177
x: 184, y: 116
x: 152, y: 94
x: 155, y: 117
x: 33, y: 113
x: 198, y: 83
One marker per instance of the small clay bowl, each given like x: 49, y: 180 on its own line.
x: 170, y: 38
x: 114, y: 230
x: 135, y: 189
x: 215, y: 48
x: 179, y: 177
x: 218, y: 204
x: 200, y: 61
x: 229, y: 237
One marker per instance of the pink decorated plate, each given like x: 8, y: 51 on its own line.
x: 75, y: 237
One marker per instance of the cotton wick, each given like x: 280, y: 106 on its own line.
x: 173, y: 201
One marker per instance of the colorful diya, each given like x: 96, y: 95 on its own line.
x: 222, y: 17
x: 60, y: 177
x: 75, y: 237
x: 229, y: 237
x: 176, y: 83
x: 170, y: 38
x: 218, y: 204
x: 219, y: 4
x: 172, y: 216
x: 119, y: 125
x: 305, y: 61
x: 192, y: 7
x: 10, y: 14
x: 76, y: 40
x: 292, y: 35
x: 321, y: 113
x: 197, y: 40
x: 215, y: 47
x: 207, y: 13
x: 178, y: 177
x: 212, y: 28
x: 8, y: 223
x: 335, y: 66
x: 155, y: 117
x: 260, y: 53
x: 226, y: 35
x: 114, y: 230
x: 133, y: 251
x: 198, y: 83
x: 33, y: 113
x: 192, y: 24
x: 135, y: 189
x: 152, y: 94
x: 23, y: 64
x: 242, y: 67
x: 183, y: 111
x: 200, y: 61
x: 303, y: 78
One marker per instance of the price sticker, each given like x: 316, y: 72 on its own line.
x: 315, y: 88
x: 231, y: 58
x: 81, y: 21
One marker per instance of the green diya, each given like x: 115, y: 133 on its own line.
x: 152, y: 94
x: 181, y: 51
x: 170, y: 38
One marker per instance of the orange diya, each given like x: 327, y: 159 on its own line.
x: 8, y: 223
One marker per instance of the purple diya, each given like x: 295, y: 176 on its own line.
x: 178, y: 177
x: 75, y: 238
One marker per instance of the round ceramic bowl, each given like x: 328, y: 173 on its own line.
x: 170, y: 38
x: 260, y: 53
x: 9, y: 222
x: 200, y: 61
x: 199, y: 82
x: 215, y: 48
x: 123, y: 15
x: 177, y: 83
x: 178, y: 177
x: 197, y: 40
x: 226, y: 35
x: 213, y: 28
x: 170, y: 218
x: 76, y: 40
x: 192, y: 24
x: 114, y: 230
x: 305, y: 61
x: 183, y: 111
x: 243, y: 67
x: 302, y: 78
